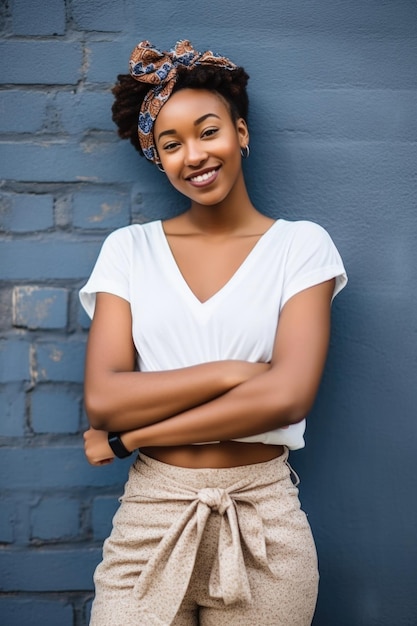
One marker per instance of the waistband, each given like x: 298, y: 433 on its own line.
x: 275, y: 469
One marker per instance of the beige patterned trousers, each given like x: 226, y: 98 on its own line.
x: 208, y: 547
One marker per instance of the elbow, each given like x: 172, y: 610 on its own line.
x: 296, y: 413
x: 289, y: 396
x: 294, y: 408
x: 97, y: 412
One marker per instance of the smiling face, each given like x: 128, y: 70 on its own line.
x: 199, y: 145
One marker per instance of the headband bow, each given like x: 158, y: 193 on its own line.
x: 159, y: 70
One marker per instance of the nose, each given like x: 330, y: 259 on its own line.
x: 195, y: 154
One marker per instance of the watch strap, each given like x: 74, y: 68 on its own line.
x: 117, y: 445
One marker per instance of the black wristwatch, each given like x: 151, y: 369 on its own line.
x: 117, y: 445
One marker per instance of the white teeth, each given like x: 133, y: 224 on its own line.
x: 203, y: 177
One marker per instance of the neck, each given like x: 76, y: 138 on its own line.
x: 233, y: 213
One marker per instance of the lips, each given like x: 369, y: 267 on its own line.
x: 203, y: 178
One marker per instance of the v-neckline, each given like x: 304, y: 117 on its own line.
x: 178, y: 276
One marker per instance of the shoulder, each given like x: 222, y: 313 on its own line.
x: 303, y: 229
x: 128, y: 237
x: 133, y: 231
x: 311, y: 258
x: 305, y: 235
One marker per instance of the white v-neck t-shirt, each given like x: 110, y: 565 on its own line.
x: 173, y: 329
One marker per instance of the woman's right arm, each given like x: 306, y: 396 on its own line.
x: 117, y: 398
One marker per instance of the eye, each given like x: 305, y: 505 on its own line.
x: 171, y: 145
x: 209, y: 132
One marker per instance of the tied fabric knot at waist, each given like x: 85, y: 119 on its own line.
x: 163, y: 583
x: 217, y: 499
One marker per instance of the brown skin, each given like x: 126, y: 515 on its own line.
x: 163, y: 413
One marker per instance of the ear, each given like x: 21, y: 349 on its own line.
x: 243, y: 132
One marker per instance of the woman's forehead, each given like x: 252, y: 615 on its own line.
x: 191, y: 104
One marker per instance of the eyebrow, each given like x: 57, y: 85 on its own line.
x: 198, y: 121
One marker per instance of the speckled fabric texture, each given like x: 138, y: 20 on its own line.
x: 208, y: 547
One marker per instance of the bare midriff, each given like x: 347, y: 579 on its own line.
x: 215, y: 455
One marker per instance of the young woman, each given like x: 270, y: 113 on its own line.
x: 210, y: 328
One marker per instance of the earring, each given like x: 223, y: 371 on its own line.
x: 159, y: 166
x: 245, y: 152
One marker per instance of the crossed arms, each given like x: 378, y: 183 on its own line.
x: 214, y: 401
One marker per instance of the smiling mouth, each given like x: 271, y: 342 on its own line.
x: 204, y: 178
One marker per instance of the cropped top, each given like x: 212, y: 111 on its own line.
x: 172, y: 329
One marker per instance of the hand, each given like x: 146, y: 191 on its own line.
x: 96, y: 447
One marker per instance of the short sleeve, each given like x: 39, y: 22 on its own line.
x: 111, y: 271
x: 312, y: 259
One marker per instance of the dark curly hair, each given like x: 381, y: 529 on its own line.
x: 129, y: 95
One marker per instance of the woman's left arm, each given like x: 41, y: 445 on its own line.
x: 279, y: 397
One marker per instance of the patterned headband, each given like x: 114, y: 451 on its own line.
x: 159, y: 70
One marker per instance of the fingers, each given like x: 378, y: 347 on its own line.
x: 96, y: 447
x: 96, y: 461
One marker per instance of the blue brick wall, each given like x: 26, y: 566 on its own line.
x: 334, y: 139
